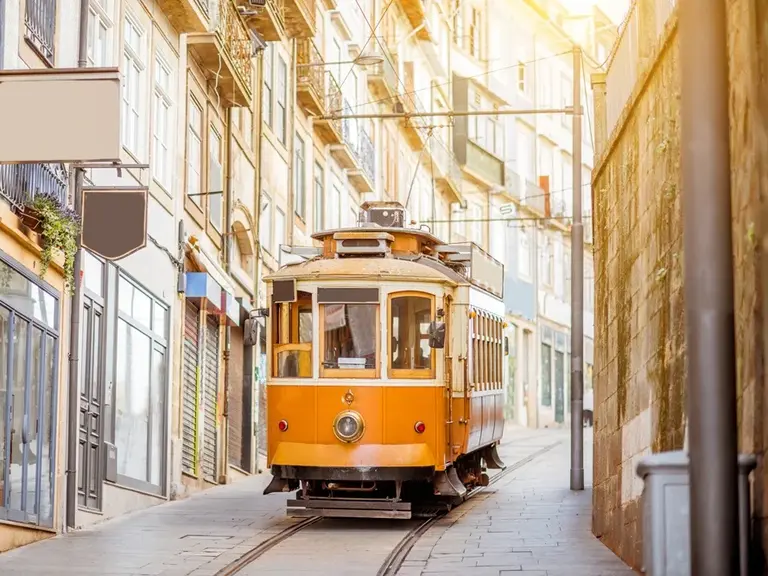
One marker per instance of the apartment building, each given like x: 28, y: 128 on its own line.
x: 166, y: 395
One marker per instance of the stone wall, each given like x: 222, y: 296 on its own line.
x: 640, y: 323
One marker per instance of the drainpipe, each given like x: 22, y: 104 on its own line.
x: 259, y: 128
x: 227, y: 249
x: 291, y: 137
x: 75, y: 309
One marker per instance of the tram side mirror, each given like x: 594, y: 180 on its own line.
x: 437, y: 335
x: 506, y: 345
x: 249, y: 332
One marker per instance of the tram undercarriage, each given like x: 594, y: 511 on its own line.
x: 382, y: 492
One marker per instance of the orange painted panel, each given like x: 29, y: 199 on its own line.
x: 368, y: 403
x: 295, y: 405
x: 344, y: 455
x: 405, y: 406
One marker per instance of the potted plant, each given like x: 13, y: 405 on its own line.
x: 59, y: 227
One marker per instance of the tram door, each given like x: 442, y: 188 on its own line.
x: 448, y: 378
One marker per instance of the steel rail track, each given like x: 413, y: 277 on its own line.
x: 264, y: 547
x: 395, y: 559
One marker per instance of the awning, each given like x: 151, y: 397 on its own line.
x: 210, y: 296
x: 225, y: 303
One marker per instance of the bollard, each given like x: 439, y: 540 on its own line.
x: 666, y: 513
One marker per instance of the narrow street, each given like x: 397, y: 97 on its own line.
x: 527, y: 523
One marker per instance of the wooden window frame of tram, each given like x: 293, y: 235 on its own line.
x: 487, y: 351
x: 351, y: 373
x: 410, y: 373
x: 295, y: 309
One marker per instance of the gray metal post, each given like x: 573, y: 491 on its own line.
x: 75, y: 309
x: 577, y: 292
x: 708, y: 279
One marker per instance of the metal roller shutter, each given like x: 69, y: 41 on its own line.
x: 237, y: 406
x: 191, y: 387
x: 210, y: 393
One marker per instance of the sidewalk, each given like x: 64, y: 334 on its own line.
x: 527, y: 524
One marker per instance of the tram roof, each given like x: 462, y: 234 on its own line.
x: 418, y: 269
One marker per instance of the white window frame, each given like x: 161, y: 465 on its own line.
x: 134, y: 67
x: 195, y: 138
x: 215, y: 136
x: 282, y: 100
x: 265, y: 227
x: 100, y: 18
x: 162, y: 140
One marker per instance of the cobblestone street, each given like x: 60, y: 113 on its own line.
x: 528, y: 524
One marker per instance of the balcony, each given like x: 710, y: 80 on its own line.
x: 345, y: 152
x: 363, y: 179
x: 535, y: 197
x: 227, y: 52
x: 187, y: 16
x: 512, y: 186
x: 300, y: 18
x: 20, y: 183
x: 310, y: 78
x: 416, y: 11
x: 40, y: 27
x: 447, y: 172
x: 483, y: 166
x: 268, y: 21
x: 331, y: 131
x: 415, y: 128
x: 382, y: 77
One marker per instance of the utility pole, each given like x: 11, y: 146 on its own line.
x: 75, y: 309
x: 577, y: 292
x: 708, y: 280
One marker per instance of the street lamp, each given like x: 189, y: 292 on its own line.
x: 362, y: 60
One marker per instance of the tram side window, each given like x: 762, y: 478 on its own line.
x: 350, y: 340
x: 292, y: 338
x: 410, y: 354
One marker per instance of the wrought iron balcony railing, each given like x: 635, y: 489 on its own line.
x: 237, y: 41
x: 365, y: 154
x: 203, y: 4
x: 311, y: 76
x: 20, y: 183
x: 40, y: 26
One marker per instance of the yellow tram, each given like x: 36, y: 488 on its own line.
x: 385, y: 370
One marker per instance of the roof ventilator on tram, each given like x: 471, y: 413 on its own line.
x: 383, y: 215
x: 363, y: 243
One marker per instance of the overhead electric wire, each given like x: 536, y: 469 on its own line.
x: 450, y: 82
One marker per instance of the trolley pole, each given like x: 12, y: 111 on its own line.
x: 577, y: 292
x: 708, y: 279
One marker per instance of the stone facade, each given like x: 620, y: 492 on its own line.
x: 640, y: 403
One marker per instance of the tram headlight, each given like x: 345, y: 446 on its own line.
x: 348, y: 426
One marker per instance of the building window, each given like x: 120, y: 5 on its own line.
x: 458, y: 23
x: 265, y: 223
x: 546, y: 375
x: 29, y: 346
x: 282, y: 98
x: 524, y: 253
x: 215, y: 179
x: 474, y: 33
x: 133, y: 71
x: 141, y: 382
x: 521, y: 86
x: 319, y: 198
x: 299, y: 182
x: 161, y: 137
x: 40, y: 26
x: 267, y: 97
x: 99, y: 32
x: 194, y: 151
x: 335, y: 208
